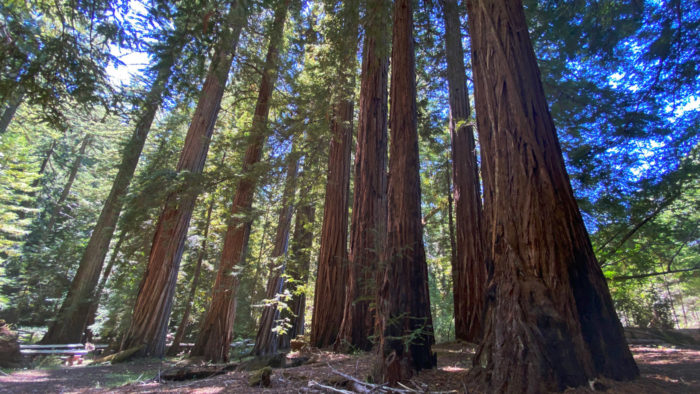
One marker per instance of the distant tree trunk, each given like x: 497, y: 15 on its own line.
x: 72, y: 174
x: 406, y: 327
x: 266, y: 339
x: 9, y: 113
x: 547, y: 288
x: 75, y: 308
x: 217, y: 327
x: 469, y: 268
x: 201, y: 255
x: 298, y: 269
x: 45, y: 161
x: 329, y: 297
x: 149, y: 322
x: 368, y: 226
x: 95, y: 303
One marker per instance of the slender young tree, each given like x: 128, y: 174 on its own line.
x: 469, y: 266
x: 368, y: 225
x: 75, y: 307
x: 329, y: 297
x: 72, y: 174
x: 201, y: 255
x: 149, y: 321
x: 217, y: 327
x: 298, y: 270
x: 406, y: 328
x: 266, y: 340
x: 547, y: 288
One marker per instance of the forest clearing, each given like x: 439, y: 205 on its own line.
x: 492, y: 196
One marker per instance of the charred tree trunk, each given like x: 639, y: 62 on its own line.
x: 300, y: 260
x: 266, y: 339
x: 368, y: 225
x: 406, y: 327
x: 201, y: 255
x: 217, y: 327
x: 469, y: 268
x: 329, y: 297
x: 75, y: 308
x: 550, y: 322
x: 75, y: 167
x: 149, y: 321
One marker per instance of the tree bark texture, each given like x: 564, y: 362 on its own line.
x: 217, y: 327
x: 298, y: 270
x: 75, y: 307
x: 368, y: 225
x: 550, y: 321
x: 329, y: 296
x: 406, y: 325
x: 201, y: 255
x: 149, y: 321
x: 266, y: 340
x: 469, y: 268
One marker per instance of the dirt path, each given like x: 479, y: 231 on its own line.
x: 664, y: 370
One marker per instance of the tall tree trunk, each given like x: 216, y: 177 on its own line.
x: 201, y: 255
x: 217, y: 327
x: 547, y: 288
x: 9, y: 113
x: 329, y: 297
x: 95, y: 303
x: 406, y: 327
x: 298, y: 269
x: 469, y: 268
x: 73, y: 173
x: 368, y: 225
x: 266, y: 339
x: 74, y: 310
x: 149, y: 322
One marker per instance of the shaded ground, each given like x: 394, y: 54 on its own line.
x: 664, y: 370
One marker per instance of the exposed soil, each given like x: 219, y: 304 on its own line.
x: 664, y: 370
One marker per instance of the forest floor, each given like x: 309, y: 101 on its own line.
x: 663, y: 370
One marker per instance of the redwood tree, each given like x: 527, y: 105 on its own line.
x: 406, y: 332
x: 550, y: 322
x: 332, y: 260
x: 469, y: 266
x: 368, y: 225
x: 149, y: 320
x: 266, y: 340
x: 217, y: 327
x: 74, y: 313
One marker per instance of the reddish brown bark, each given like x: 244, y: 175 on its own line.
x: 149, y: 321
x: 406, y: 328
x: 266, y: 340
x: 550, y: 322
x: 368, y: 226
x: 75, y: 309
x: 469, y: 267
x: 329, y: 296
x: 217, y: 327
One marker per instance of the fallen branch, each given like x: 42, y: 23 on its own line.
x: 315, y: 384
